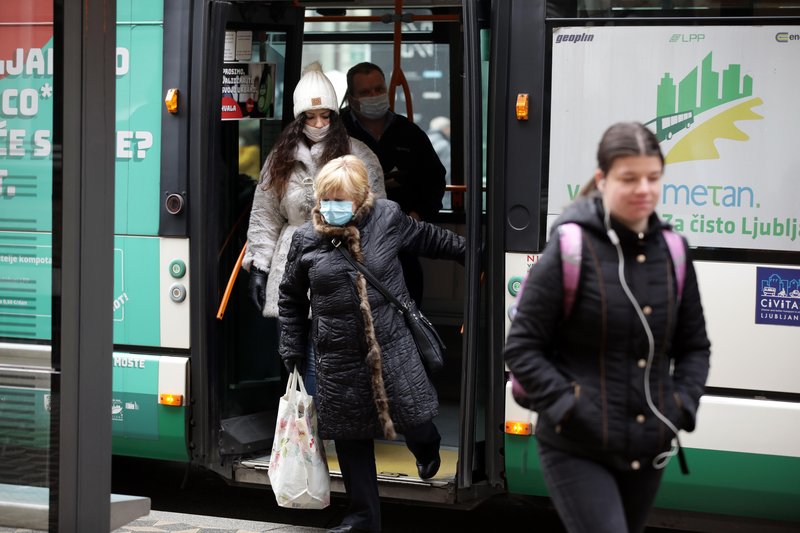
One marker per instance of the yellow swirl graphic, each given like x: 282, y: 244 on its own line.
x: 699, y: 143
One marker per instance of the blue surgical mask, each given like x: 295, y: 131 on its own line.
x: 374, y: 107
x: 336, y: 212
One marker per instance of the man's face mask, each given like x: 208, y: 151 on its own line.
x: 336, y: 212
x: 373, y: 107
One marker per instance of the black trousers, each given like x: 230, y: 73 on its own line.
x: 357, y: 462
x: 593, y: 498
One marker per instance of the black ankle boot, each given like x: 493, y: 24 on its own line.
x: 429, y: 469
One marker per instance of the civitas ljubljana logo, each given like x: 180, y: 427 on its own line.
x: 786, y: 37
x: 574, y: 38
x: 778, y: 296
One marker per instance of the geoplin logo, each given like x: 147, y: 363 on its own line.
x: 574, y: 38
x: 785, y: 37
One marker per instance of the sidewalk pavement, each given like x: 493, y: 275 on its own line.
x: 160, y: 521
x: 164, y: 522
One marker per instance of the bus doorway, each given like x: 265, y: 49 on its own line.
x: 249, y: 52
x: 244, y: 376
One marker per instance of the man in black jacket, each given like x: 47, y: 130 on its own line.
x: 415, y: 178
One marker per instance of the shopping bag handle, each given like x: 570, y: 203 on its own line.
x: 291, y: 385
x: 298, y: 380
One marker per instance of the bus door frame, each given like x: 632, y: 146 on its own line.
x: 210, y: 22
x: 514, y: 166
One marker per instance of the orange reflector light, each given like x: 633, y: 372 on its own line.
x: 171, y: 399
x: 171, y: 101
x: 522, y: 106
x: 518, y: 428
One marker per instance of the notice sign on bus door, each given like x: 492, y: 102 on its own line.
x: 248, y: 90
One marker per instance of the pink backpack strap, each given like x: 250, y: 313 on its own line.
x: 678, y: 253
x: 569, y: 238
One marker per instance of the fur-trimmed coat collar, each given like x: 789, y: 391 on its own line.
x: 350, y: 236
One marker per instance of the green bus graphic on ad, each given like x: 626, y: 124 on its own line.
x: 678, y: 106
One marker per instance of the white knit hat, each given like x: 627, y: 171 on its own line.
x: 314, y: 91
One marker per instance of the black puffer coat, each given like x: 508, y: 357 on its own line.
x: 370, y: 379
x: 585, y: 373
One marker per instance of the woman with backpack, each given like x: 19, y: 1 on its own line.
x: 615, y: 360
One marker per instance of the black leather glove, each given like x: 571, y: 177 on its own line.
x: 258, y: 287
x: 290, y: 364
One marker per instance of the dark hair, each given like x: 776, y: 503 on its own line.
x: 282, y: 161
x: 362, y: 68
x: 623, y: 139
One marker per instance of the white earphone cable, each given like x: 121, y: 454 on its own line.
x: 662, y: 459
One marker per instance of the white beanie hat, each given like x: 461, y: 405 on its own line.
x: 314, y: 91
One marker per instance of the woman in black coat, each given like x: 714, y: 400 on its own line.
x: 615, y: 376
x: 371, y: 382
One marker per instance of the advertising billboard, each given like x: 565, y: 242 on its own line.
x: 723, y: 103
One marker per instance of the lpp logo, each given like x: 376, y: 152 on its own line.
x: 687, y: 37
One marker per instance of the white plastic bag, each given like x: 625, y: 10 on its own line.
x: 298, y: 468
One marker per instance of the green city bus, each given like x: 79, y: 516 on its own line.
x: 203, y: 90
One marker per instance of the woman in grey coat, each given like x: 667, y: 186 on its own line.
x: 284, y: 197
x: 371, y: 382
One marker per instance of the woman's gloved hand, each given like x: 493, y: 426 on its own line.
x: 291, y: 362
x: 258, y: 287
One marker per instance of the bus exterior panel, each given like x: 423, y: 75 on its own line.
x: 140, y: 37
x: 731, y: 195
x: 747, y: 354
x: 149, y: 406
x: 743, y: 460
x: 744, y: 455
x: 150, y: 396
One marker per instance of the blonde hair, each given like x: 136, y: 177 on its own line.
x: 346, y: 174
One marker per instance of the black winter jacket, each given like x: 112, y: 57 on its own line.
x: 406, y: 149
x: 370, y: 379
x: 585, y: 373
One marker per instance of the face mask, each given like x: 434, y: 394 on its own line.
x: 373, y: 107
x: 336, y: 212
x: 316, y: 134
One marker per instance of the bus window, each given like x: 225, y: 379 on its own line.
x: 424, y: 59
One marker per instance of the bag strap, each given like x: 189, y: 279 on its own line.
x: 570, y: 242
x: 368, y: 275
x: 678, y: 254
x: 569, y: 237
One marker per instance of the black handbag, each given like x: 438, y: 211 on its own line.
x: 429, y: 344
